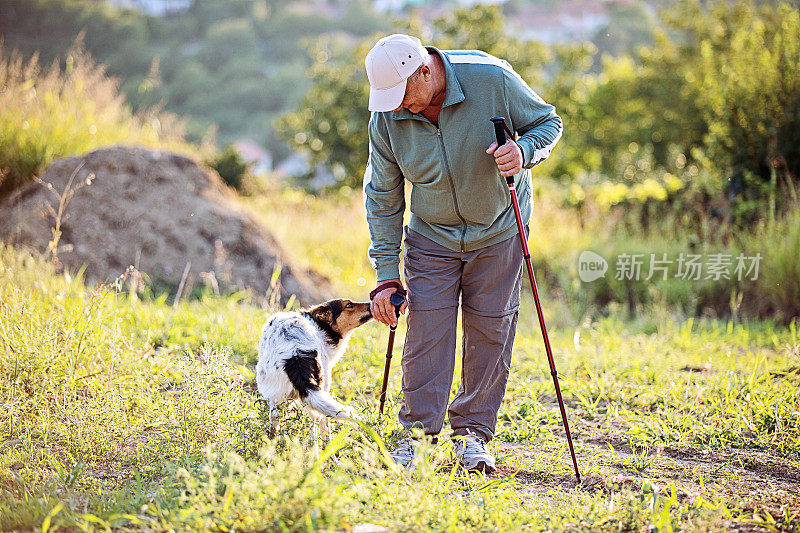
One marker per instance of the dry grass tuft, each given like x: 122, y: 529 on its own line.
x: 49, y: 112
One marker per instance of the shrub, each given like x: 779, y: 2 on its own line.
x: 231, y: 167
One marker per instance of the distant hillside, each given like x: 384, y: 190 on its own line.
x: 231, y: 65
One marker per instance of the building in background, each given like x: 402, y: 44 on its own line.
x: 259, y: 159
x: 562, y: 22
x: 157, y: 8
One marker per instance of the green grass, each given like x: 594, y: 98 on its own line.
x: 122, y: 412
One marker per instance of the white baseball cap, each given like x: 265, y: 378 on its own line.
x: 389, y: 64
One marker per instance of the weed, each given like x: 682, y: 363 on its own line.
x: 134, y: 412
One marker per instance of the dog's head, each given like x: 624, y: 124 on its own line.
x: 342, y: 316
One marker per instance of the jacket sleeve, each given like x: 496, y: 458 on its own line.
x: 384, y: 202
x: 532, y: 118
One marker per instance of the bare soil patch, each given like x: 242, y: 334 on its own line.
x: 747, y: 479
x: 158, y: 211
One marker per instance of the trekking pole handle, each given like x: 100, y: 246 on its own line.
x: 499, y: 132
x: 396, y: 300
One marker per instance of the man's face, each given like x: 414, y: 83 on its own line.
x: 419, y: 91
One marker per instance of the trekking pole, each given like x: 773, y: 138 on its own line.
x: 499, y: 125
x: 396, y: 300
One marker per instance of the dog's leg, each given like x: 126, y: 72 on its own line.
x: 313, y: 434
x: 326, y: 430
x: 274, y: 417
x: 322, y: 402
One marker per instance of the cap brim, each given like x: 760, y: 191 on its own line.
x: 387, y: 99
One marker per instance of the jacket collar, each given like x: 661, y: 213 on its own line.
x: 453, y: 92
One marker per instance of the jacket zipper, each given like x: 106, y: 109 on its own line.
x: 452, y: 188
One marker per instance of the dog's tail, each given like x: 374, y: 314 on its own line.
x: 321, y: 401
x: 304, y: 373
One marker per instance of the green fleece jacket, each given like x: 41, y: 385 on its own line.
x: 458, y: 197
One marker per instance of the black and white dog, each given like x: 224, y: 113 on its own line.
x: 297, y: 352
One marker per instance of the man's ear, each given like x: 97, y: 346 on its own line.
x: 427, y: 75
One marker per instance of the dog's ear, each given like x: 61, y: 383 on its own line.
x: 322, y: 313
x: 336, y: 308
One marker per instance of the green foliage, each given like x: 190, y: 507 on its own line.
x: 228, y: 67
x: 52, y: 26
x: 629, y: 134
x: 750, y: 97
x: 205, y: 14
x: 630, y: 27
x: 231, y: 167
x: 778, y: 288
x: 46, y: 114
x: 228, y: 39
x: 483, y: 27
x: 709, y: 113
x: 191, y: 77
x: 677, y: 288
x: 331, y: 122
x: 323, y: 246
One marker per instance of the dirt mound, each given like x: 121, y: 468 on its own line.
x: 158, y: 211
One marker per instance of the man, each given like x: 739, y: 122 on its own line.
x: 430, y: 125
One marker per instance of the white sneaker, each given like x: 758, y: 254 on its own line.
x: 405, y: 452
x: 473, y: 455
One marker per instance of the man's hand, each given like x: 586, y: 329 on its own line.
x: 382, y: 309
x: 508, y: 157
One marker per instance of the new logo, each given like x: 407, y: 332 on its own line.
x: 591, y: 266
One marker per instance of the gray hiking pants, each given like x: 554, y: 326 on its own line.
x: 488, y: 282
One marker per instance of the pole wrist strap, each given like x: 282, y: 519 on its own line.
x: 399, y: 286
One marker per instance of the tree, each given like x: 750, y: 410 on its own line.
x: 713, y: 105
x: 750, y: 99
x: 331, y: 122
x: 630, y: 26
x: 227, y: 40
